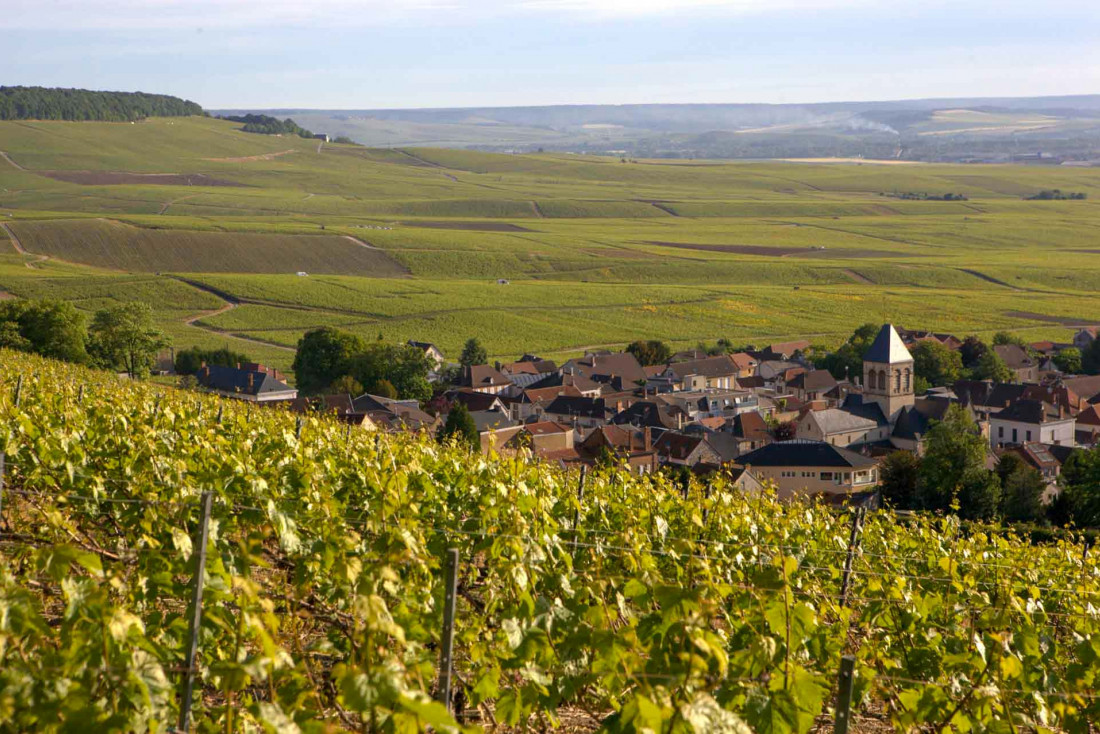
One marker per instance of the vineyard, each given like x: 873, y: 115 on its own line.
x: 604, y: 602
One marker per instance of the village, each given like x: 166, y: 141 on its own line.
x: 763, y: 415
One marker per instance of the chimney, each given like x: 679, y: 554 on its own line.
x: 647, y: 439
x: 1061, y: 411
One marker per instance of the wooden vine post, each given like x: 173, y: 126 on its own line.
x: 188, y: 689
x: 844, y: 695
x: 447, y: 642
x: 853, y: 546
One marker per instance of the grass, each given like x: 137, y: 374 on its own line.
x: 118, y: 246
x: 599, y: 252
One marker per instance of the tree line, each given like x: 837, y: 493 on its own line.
x: 120, y: 338
x: 42, y: 103
x: 267, y: 125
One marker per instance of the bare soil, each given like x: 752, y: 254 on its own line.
x: 783, y: 251
x: 468, y: 226
x: 115, y: 178
x: 1060, y: 320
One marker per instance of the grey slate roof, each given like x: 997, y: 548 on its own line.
x: 835, y: 420
x: 805, y: 453
x: 244, y: 382
x: 887, y: 348
x: 868, y: 409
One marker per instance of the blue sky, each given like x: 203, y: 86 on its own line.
x: 361, y: 54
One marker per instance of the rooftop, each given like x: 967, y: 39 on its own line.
x: 887, y: 348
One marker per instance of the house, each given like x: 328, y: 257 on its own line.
x: 1047, y: 460
x: 252, y: 382
x: 605, y: 367
x: 812, y: 385
x: 839, y: 427
x: 811, y: 468
x: 913, y: 423
x: 1027, y: 421
x: 533, y: 401
x: 1087, y: 387
x: 750, y: 431
x: 1085, y: 337
x: 776, y: 370
x: 785, y: 350
x: 680, y: 449
x: 484, y: 378
x: 985, y: 397
x: 581, y: 413
x: 432, y: 352
x: 1088, y: 425
x: 543, y: 437
x: 395, y: 415
x: 1019, y: 361
x: 524, y: 373
x: 698, y: 404
x: 588, y: 388
x: 714, y: 373
x: 476, y: 401
x: 649, y: 413
x: 745, y: 363
x: 632, y: 446
x: 912, y: 337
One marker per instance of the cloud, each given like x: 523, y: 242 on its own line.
x: 182, y: 14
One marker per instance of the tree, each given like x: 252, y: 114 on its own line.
x: 971, y: 351
x: 936, y: 363
x: 461, y: 427
x: 1022, y: 497
x: 1009, y: 464
x: 651, y: 352
x: 899, y: 472
x: 1090, y: 358
x: 979, y: 495
x: 1001, y: 338
x: 847, y: 361
x: 384, y: 389
x: 189, y: 361
x: 473, y: 353
x: 53, y: 329
x: 324, y: 355
x: 124, y: 337
x: 1080, y: 480
x: 954, y: 456
x: 786, y: 431
x: 405, y: 367
x: 348, y: 385
x: 992, y: 367
x: 1068, y: 360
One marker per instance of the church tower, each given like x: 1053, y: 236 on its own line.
x: 888, y: 373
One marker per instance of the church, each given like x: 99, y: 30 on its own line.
x: 888, y: 397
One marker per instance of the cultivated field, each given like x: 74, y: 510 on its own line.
x: 597, y: 251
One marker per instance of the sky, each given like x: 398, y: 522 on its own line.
x: 371, y: 54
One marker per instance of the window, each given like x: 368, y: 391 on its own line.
x: 897, y: 380
x: 908, y: 384
x: 1029, y: 435
x: 1000, y: 431
x: 1015, y: 436
x: 826, y: 476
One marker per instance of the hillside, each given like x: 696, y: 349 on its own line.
x: 992, y: 129
x: 630, y: 605
x: 598, y: 251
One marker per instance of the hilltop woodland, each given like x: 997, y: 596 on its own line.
x: 41, y: 103
x: 267, y: 125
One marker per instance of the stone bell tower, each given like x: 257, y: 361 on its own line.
x: 888, y: 373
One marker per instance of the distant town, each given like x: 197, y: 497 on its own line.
x: 776, y: 415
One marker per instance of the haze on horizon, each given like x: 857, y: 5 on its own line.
x: 371, y: 54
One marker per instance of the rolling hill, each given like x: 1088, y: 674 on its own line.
x: 211, y: 226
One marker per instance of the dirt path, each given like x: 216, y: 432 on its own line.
x: 249, y: 158
x: 361, y: 243
x: 167, y: 204
x: 32, y: 264
x: 858, y: 277
x: 6, y: 157
x: 537, y: 209
x: 319, y: 146
x: 230, y: 304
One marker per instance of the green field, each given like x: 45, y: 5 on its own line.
x: 597, y: 252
